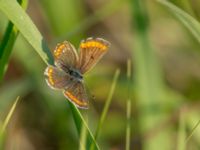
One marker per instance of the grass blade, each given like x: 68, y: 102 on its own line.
x: 5, y: 123
x: 181, y: 144
x: 192, y: 24
x: 106, y: 106
x: 148, y: 78
x: 83, y: 138
x: 27, y: 28
x: 128, y: 125
x: 192, y: 132
x: 6, y: 47
x: 128, y: 108
x: 8, y: 42
x: 81, y: 123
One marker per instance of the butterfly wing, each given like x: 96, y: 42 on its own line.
x: 65, y: 55
x: 76, y: 94
x: 57, y: 78
x: 90, y: 52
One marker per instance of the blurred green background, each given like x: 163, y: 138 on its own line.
x: 164, y: 87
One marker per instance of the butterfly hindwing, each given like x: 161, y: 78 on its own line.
x: 90, y: 52
x: 57, y: 78
x: 76, y: 94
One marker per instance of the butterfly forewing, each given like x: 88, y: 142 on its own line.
x: 65, y: 55
x: 90, y: 52
x: 57, y: 78
x: 76, y: 94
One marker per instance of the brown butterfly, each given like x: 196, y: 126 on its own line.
x: 67, y: 74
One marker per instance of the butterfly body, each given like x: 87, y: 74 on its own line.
x: 75, y: 74
x: 67, y: 74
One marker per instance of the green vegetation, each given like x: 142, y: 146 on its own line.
x: 145, y: 89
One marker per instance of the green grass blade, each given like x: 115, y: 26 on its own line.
x: 107, y: 104
x: 6, y: 48
x: 5, y: 123
x: 149, y: 85
x: 128, y: 108
x: 8, y: 42
x: 192, y: 132
x: 26, y: 27
x: 181, y: 144
x: 80, y: 122
x: 5, y: 38
x: 128, y: 125
x: 192, y: 24
x: 83, y: 138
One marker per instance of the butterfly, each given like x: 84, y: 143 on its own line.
x: 70, y: 66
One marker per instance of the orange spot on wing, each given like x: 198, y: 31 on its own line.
x: 93, y: 44
x: 58, y: 50
x: 50, y: 79
x: 50, y: 70
x: 82, y: 45
x: 74, y: 99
